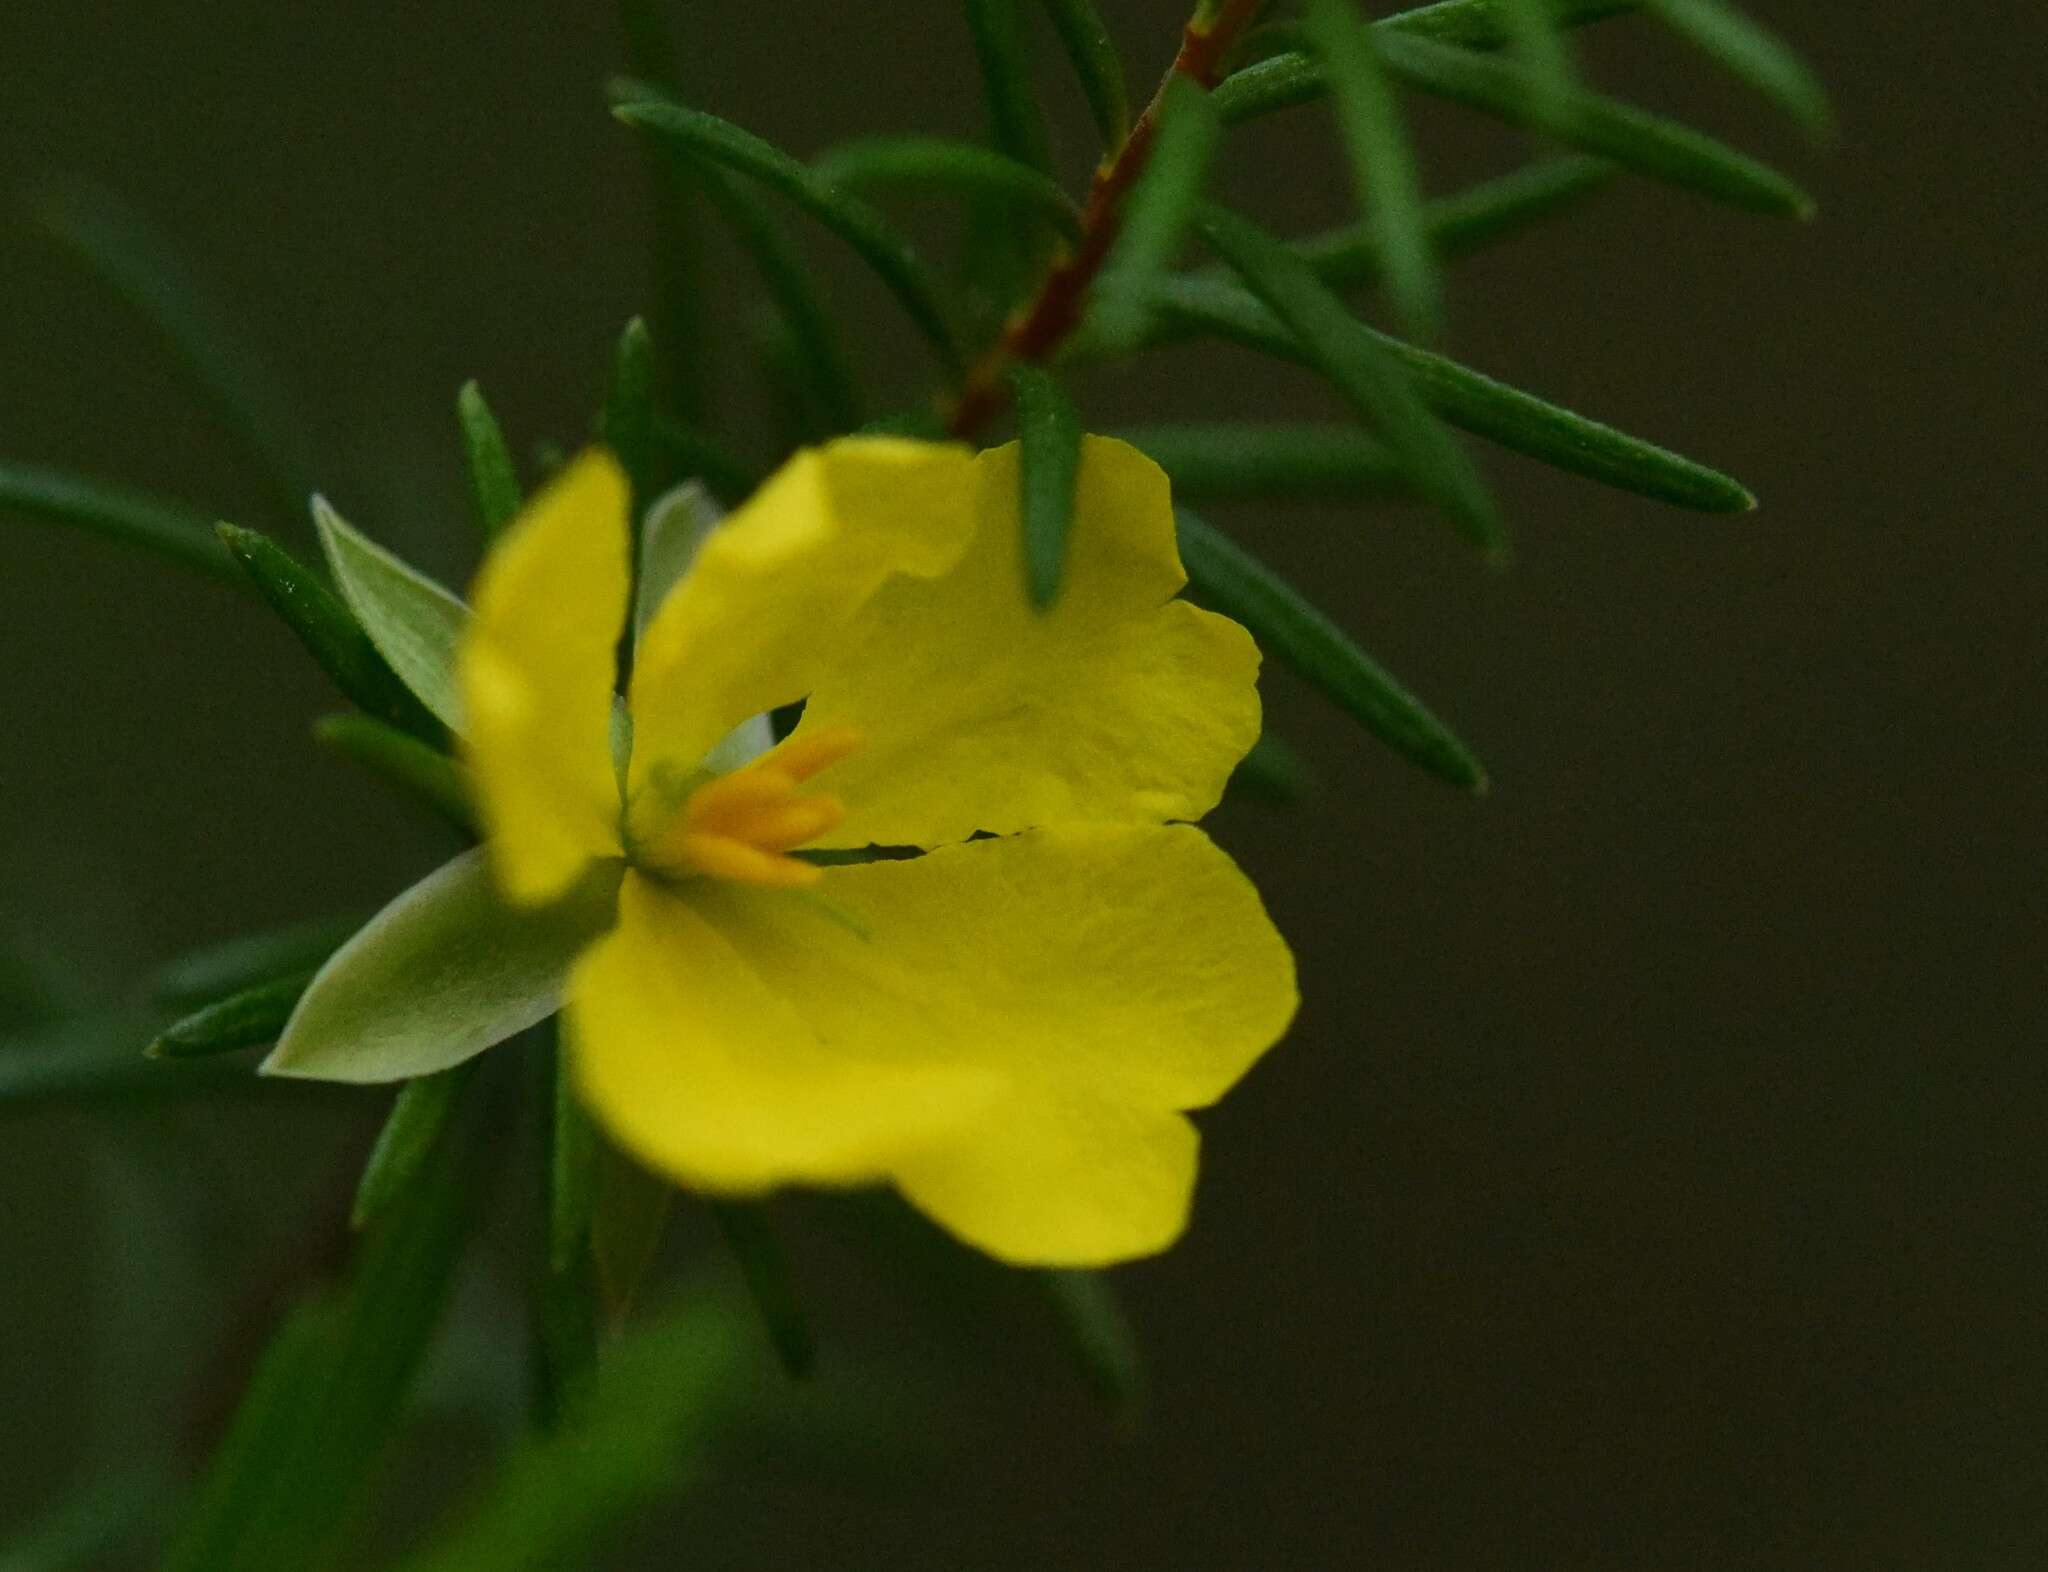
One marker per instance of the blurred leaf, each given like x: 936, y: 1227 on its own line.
x: 656, y: 1405
x: 562, y: 1304
x: 1096, y: 65
x: 1382, y: 163
x: 330, y: 632
x: 127, y: 517
x: 627, y: 425
x: 689, y: 454
x: 1753, y: 53
x: 1157, y: 212
x: 425, y: 775
x: 493, y: 478
x: 414, y: 622
x: 89, y: 1523
x: 1302, y: 638
x: 242, y: 1020
x: 944, y: 163
x: 442, y: 973
x: 1050, y: 470
x: 1235, y: 460
x: 1478, y: 404
x: 764, y: 1266
x: 1371, y: 380
x: 1098, y: 1334
x: 626, y: 1226
x: 1273, y: 773
x: 1016, y: 120
x: 1485, y: 24
x: 1538, y: 41
x: 419, y: 1115
x: 330, y: 1392
x: 154, y: 280
x: 204, y: 975
x: 95, y: 1057
x: 870, y: 235
x: 1632, y: 137
x: 573, y: 1150
x: 675, y: 528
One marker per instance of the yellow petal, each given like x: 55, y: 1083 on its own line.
x: 1007, y: 1028
x: 702, y: 1066
x: 538, y: 668
x: 979, y: 712
x: 773, y: 588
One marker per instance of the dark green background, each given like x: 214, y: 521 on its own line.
x: 1654, y: 1176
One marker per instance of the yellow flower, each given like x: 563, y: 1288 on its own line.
x: 1008, y: 1012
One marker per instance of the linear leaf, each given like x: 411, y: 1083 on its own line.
x: 242, y: 1020
x: 154, y: 280
x: 1158, y: 211
x: 1382, y: 163
x: 493, y: 478
x: 626, y: 1226
x: 1049, y: 434
x: 562, y: 1302
x: 1096, y: 64
x: 1016, y: 119
x: 424, y: 774
x: 1273, y: 773
x: 1485, y: 24
x: 95, y: 1057
x: 1229, y: 461
x: 128, y: 517
x: 573, y: 1151
x: 1477, y: 403
x: 627, y: 424
x: 331, y: 1390
x: 419, y: 1114
x: 764, y: 1265
x: 1371, y: 380
x: 1753, y: 53
x: 871, y: 236
x: 414, y: 622
x: 329, y: 631
x: 217, y: 970
x: 948, y: 164
x: 1308, y: 643
x: 1538, y: 42
x: 1098, y: 1334
x: 442, y: 973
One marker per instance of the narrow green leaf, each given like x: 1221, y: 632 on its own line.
x: 562, y: 1306
x: 943, y: 163
x: 1382, y: 163
x: 1486, y: 24
x: 660, y: 1397
x: 96, y: 1523
x: 127, y: 517
x: 1753, y: 53
x: 1157, y: 212
x: 493, y: 479
x: 1235, y: 460
x: 154, y: 280
x: 94, y: 1058
x: 1538, y: 41
x: 1371, y: 380
x: 573, y: 1151
x: 442, y: 973
x: 1322, y: 654
x: 1098, y: 1334
x: 242, y: 1020
x: 419, y: 1114
x: 201, y: 976
x: 627, y: 425
x: 1016, y: 119
x: 329, y: 631
x: 687, y: 453
x: 632, y: 1210
x: 331, y: 1390
x: 1273, y: 773
x: 1048, y: 475
x: 426, y: 775
x: 414, y: 622
x: 871, y: 236
x: 1464, y: 221
x: 764, y: 1265
x: 1476, y: 403
x: 1097, y: 66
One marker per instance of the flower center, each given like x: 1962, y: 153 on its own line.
x: 743, y: 825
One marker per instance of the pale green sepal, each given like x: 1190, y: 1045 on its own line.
x: 674, y: 529
x: 439, y: 975
x: 414, y: 622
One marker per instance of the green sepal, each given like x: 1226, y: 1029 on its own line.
x: 1048, y: 473
x: 414, y: 622
x: 672, y: 532
x: 442, y: 973
x: 1288, y: 628
x: 330, y: 632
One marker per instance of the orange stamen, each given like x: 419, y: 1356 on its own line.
x: 742, y: 826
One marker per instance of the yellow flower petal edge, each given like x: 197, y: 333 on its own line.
x: 769, y: 595
x: 1007, y: 1029
x: 538, y: 668
x: 982, y: 713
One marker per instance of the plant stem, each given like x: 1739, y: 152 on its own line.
x: 1040, y: 326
